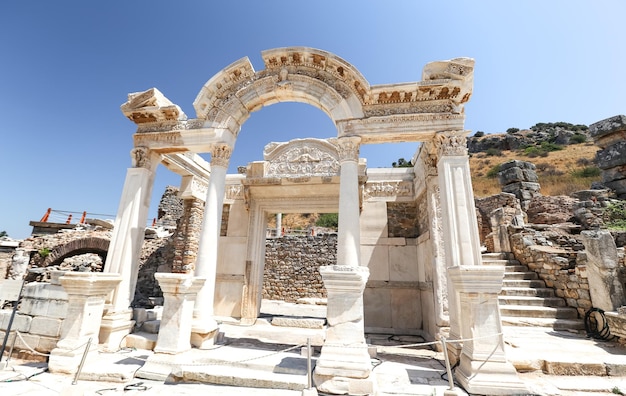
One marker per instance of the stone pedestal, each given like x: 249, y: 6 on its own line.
x: 179, y: 294
x: 344, y: 364
x: 86, y: 293
x: 483, y: 368
x: 115, y: 326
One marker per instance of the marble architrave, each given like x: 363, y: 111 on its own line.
x: 86, y: 292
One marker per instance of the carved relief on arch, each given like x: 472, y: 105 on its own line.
x: 301, y: 157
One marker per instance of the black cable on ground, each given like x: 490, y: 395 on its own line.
x: 595, y: 329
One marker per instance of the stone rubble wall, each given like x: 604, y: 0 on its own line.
x: 485, y: 209
x: 292, y: 266
x: 559, y: 260
x: 520, y: 179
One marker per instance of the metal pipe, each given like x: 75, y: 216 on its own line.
x: 448, y: 369
x: 308, y: 363
x: 82, y: 362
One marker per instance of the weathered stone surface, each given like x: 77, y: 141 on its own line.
x: 305, y: 323
x: 517, y: 164
x: 550, y: 210
x: 612, y: 156
x: 600, y: 130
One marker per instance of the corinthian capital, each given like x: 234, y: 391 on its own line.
x: 141, y: 158
x: 348, y: 148
x: 220, y: 155
x: 453, y: 143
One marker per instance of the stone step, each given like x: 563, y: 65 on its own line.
x: 556, y: 324
x: 505, y: 263
x: 532, y: 301
x: 523, y: 283
x: 527, y: 291
x: 240, y: 376
x: 516, y: 268
x: 498, y: 256
x: 538, y: 312
x: 525, y: 275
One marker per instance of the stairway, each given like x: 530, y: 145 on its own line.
x: 526, y: 301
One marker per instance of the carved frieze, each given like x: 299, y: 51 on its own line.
x: 151, y: 106
x: 388, y: 189
x: 234, y: 191
x: 301, y: 158
x: 140, y: 158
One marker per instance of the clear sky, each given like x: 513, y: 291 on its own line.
x: 67, y: 66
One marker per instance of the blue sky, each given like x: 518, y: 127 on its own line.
x: 67, y: 66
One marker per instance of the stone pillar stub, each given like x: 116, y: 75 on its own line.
x: 344, y: 361
x: 607, y: 293
x: 86, y: 292
x: 179, y: 296
x: 483, y: 368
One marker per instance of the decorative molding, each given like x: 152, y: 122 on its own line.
x: 234, y: 191
x: 451, y: 143
x: 348, y: 148
x: 140, y: 158
x: 388, y: 189
x: 220, y: 155
x: 301, y: 158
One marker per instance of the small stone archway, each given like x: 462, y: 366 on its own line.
x: 99, y: 246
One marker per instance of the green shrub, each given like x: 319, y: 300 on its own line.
x: 329, y: 220
x: 615, y: 215
x: 547, y: 146
x: 493, y: 172
x: 494, y: 152
x: 588, y: 171
x: 578, y: 138
x: 479, y: 134
x: 512, y: 130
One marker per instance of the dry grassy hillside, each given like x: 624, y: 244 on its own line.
x: 560, y: 172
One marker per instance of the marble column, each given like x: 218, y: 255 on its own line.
x: 126, y: 242
x: 460, y: 227
x: 179, y: 295
x: 483, y: 368
x: 86, y: 293
x: 205, y: 326
x: 344, y: 364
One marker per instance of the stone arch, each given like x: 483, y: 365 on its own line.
x: 99, y: 246
x: 298, y: 74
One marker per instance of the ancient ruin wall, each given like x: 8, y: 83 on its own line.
x: 292, y: 266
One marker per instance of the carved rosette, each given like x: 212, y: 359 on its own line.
x: 348, y: 148
x: 220, y: 155
x: 140, y: 157
x: 451, y: 143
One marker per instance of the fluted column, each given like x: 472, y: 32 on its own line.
x: 206, y: 264
x: 126, y: 242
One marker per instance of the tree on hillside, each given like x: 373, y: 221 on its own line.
x: 3, y: 234
x: 402, y: 163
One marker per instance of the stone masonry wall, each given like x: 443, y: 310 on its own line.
x: 403, y: 219
x: 292, y: 266
x: 559, y: 261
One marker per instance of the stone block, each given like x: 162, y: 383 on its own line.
x: 377, y: 306
x: 151, y: 326
x: 44, y: 326
x: 403, y: 263
x: 601, y: 130
x: 140, y: 315
x: 34, y: 307
x: 619, y: 186
x: 20, y: 323
x: 35, y: 290
x: 146, y: 341
x: 56, y: 292
x: 27, y: 341
x: 518, y: 164
x: 376, y: 258
x: 57, y: 309
x: 304, y: 323
x: 47, y: 344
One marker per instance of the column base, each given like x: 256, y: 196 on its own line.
x: 489, y: 377
x: 66, y: 359
x: 204, y: 334
x: 115, y: 326
x: 344, y: 385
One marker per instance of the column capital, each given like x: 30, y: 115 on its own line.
x: 348, y: 148
x: 450, y: 143
x: 220, y: 154
x: 143, y: 157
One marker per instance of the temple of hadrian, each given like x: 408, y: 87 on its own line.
x: 431, y: 283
